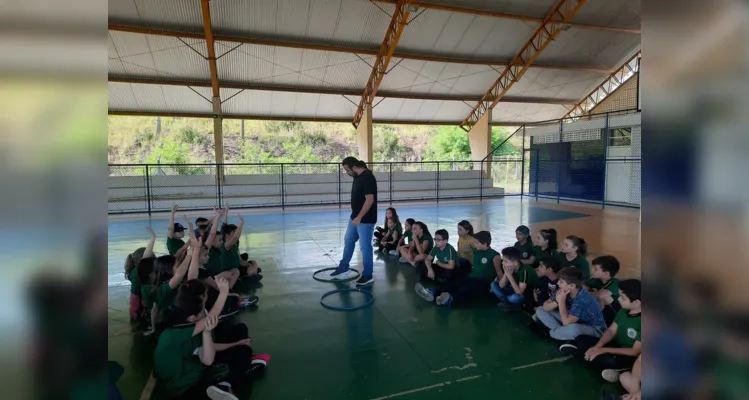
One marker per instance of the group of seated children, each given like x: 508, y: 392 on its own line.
x: 195, y: 355
x: 593, y: 314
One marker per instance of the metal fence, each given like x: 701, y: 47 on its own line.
x: 594, y: 159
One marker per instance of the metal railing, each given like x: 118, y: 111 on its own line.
x: 563, y: 164
x: 148, y: 188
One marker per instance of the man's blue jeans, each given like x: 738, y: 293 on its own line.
x: 507, y: 294
x: 362, y: 233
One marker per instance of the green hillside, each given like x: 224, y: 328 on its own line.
x: 170, y: 140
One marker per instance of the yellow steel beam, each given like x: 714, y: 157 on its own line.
x: 553, y: 23
x: 384, y: 55
x: 518, y: 17
x: 218, y: 137
x: 608, y: 86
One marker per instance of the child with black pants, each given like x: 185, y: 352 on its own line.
x: 604, y: 286
x: 441, y: 263
x: 547, y: 270
x: 389, y: 242
x: 188, y: 362
x: 618, y: 348
x: 487, y: 265
x: 381, y: 231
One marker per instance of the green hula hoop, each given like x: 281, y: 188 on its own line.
x: 314, y: 276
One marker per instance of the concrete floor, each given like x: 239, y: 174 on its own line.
x: 401, y: 347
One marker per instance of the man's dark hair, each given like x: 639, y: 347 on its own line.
x: 483, y: 237
x: 552, y: 263
x: 571, y: 275
x: 512, y: 254
x: 352, y: 162
x: 632, y: 288
x: 608, y: 264
x: 441, y: 233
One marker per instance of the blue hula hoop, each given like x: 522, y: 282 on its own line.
x: 334, y: 308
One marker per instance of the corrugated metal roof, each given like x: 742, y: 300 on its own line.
x: 138, y: 97
x: 358, y: 23
x: 159, y: 56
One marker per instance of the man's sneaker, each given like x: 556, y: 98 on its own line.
x: 611, y: 375
x: 424, y: 293
x: 444, y: 299
x: 393, y: 252
x: 220, y: 391
x: 365, y: 280
x: 341, y: 275
x: 247, y: 301
x: 569, y: 349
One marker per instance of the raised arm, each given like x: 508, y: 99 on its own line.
x: 181, y: 271
x: 192, y: 273
x: 213, y: 228
x: 151, y: 241
x: 236, y: 235
x: 170, y: 230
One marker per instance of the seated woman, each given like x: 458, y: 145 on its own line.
x: 441, y: 263
x: 394, y: 233
x: 417, y: 252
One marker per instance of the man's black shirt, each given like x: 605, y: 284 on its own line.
x: 363, y: 185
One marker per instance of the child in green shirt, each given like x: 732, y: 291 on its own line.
x: 389, y: 241
x: 193, y: 358
x: 515, y: 286
x: 524, y: 243
x: 420, y: 247
x: 604, y: 287
x: 404, y: 241
x: 573, y: 254
x: 441, y: 262
x: 174, y: 234
x: 620, y: 344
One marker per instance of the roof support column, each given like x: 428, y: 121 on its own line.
x: 218, y: 133
x: 480, y: 138
x: 364, y: 134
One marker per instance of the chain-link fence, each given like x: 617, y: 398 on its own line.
x: 595, y: 159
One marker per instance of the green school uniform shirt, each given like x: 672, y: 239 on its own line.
x: 175, y: 364
x: 526, y: 249
x: 173, y: 245
x: 578, y: 262
x: 398, y: 228
x: 165, y: 295
x: 526, y: 274
x: 444, y: 256
x: 483, y: 264
x: 230, y: 258
x: 134, y: 282
x: 408, y: 235
x: 213, y: 266
x: 541, y: 254
x: 612, y: 286
x: 147, y: 296
x: 427, y: 238
x: 627, y: 328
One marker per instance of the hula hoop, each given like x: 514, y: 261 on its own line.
x: 334, y: 308
x: 334, y: 280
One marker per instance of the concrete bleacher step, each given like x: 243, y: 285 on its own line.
x: 193, y: 192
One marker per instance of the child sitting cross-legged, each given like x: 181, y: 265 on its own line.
x: 487, y: 265
x: 406, y: 238
x: 620, y: 345
x: 518, y: 280
x: 604, y: 287
x: 572, y: 311
x: 441, y: 263
x: 193, y: 358
x: 547, y: 270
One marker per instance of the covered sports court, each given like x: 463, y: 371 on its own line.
x: 565, y: 73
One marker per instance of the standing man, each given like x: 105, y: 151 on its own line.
x: 362, y: 222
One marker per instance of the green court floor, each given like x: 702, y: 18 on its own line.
x: 401, y: 347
